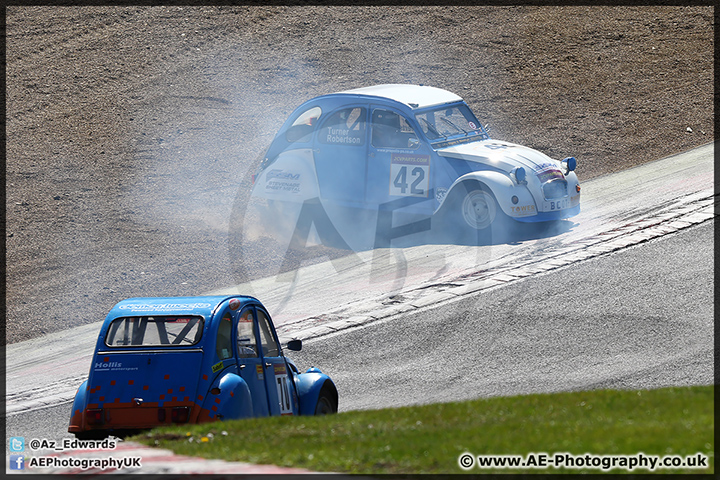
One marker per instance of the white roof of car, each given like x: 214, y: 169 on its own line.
x: 414, y: 96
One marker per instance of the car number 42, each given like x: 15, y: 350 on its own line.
x: 409, y: 181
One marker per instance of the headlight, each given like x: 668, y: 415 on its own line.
x: 568, y: 164
x: 519, y: 174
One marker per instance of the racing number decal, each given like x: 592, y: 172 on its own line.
x: 400, y: 182
x: 282, y: 382
x: 409, y: 175
x: 284, y: 395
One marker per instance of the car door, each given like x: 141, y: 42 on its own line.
x: 399, y: 164
x: 340, y: 155
x: 250, y: 362
x: 278, y: 379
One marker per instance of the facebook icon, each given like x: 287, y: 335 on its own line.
x: 17, y: 462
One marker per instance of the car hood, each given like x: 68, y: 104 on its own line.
x: 501, y: 155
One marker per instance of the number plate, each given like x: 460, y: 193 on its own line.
x: 560, y: 204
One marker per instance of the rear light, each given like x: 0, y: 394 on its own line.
x: 180, y: 414
x: 94, y: 416
x: 577, y: 188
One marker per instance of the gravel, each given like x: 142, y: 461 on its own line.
x: 132, y: 132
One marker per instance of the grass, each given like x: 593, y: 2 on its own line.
x: 431, y: 438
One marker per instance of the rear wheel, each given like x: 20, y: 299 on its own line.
x: 92, y: 435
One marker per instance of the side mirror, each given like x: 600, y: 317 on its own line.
x: 295, y: 345
x: 413, y: 142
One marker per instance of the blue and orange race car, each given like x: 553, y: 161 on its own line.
x: 163, y: 361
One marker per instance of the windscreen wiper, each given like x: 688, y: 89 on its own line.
x: 453, y: 125
x: 430, y: 126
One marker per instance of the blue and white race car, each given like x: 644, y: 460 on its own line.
x: 389, y: 152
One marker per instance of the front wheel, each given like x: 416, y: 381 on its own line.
x: 478, y: 209
x: 469, y: 215
x: 325, y: 404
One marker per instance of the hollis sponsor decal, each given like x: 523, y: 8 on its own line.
x: 107, y: 366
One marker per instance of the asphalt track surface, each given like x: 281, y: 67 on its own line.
x: 622, y: 320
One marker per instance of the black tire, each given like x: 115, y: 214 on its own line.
x: 92, y: 435
x: 478, y: 208
x: 470, y: 214
x: 326, y: 404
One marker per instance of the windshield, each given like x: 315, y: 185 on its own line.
x: 154, y: 331
x: 450, y: 122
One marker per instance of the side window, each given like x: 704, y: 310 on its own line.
x: 270, y: 347
x: 223, y: 343
x: 301, y: 129
x: 391, y: 130
x: 344, y: 127
x: 246, y: 343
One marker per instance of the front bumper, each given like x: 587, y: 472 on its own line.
x: 551, y: 216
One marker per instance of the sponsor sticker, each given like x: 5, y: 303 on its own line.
x: 278, y: 180
x: 440, y: 194
x: 112, y: 366
x: 547, y: 172
x: 164, y: 307
x: 523, y: 210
